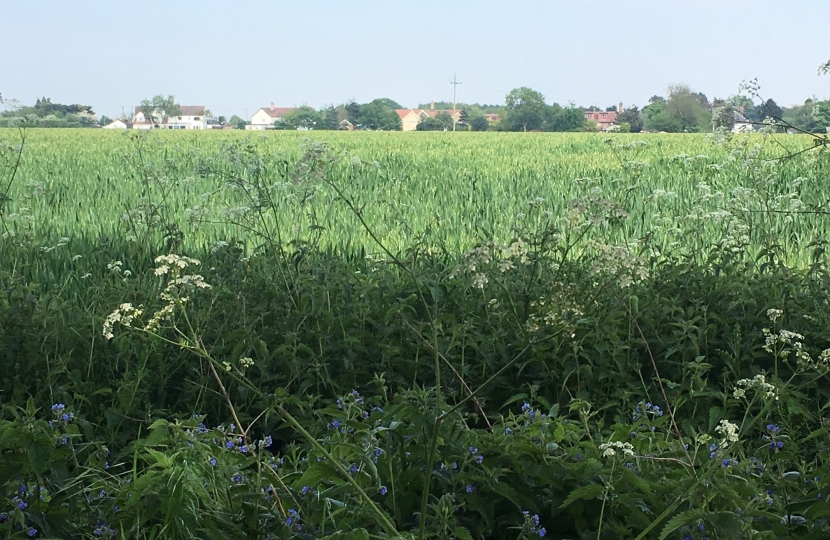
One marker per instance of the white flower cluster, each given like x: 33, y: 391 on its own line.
x: 757, y: 383
x: 728, y: 431
x: 610, y: 449
x: 124, y: 314
x: 177, y: 287
x: 246, y: 362
x: 774, y: 314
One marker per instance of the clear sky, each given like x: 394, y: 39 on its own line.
x: 236, y: 56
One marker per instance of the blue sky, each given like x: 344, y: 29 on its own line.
x: 235, y: 57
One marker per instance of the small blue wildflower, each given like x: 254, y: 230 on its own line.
x: 542, y: 532
x: 22, y: 489
x: 212, y: 462
x: 633, y: 434
x: 470, y: 488
x: 305, y: 490
x: 64, y: 417
x: 106, y: 465
x: 243, y: 449
x: 473, y: 450
x: 525, y: 407
x: 232, y: 427
x: 237, y: 478
x: 454, y: 465
x: 21, y: 504
x: 507, y: 431
x: 383, y: 490
x: 725, y: 463
x: 378, y: 451
x: 780, y: 444
x: 479, y: 458
x: 229, y: 445
x: 701, y: 527
x: 335, y: 424
x: 353, y: 468
x: 31, y: 531
x: 267, y: 441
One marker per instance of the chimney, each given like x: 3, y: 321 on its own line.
x: 432, y: 105
x: 619, y: 107
x: 272, y: 105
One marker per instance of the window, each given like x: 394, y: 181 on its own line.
x: 196, y: 118
x: 603, y: 116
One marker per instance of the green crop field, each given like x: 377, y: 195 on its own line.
x: 450, y: 190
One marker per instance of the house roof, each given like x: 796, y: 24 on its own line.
x: 276, y: 112
x: 404, y: 112
x: 610, y: 116
x: 192, y: 110
x: 738, y: 117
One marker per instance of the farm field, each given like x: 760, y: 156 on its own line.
x: 413, y: 335
x: 449, y: 190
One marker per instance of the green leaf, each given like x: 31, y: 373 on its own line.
x: 317, y: 473
x: 462, y: 533
x: 714, y: 416
x: 591, y: 491
x: 683, y: 518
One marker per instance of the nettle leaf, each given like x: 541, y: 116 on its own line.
x: 688, y: 517
x: 318, y: 473
x: 462, y: 533
x: 587, y: 493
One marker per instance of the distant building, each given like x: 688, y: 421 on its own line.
x: 742, y: 124
x: 192, y: 117
x: 492, y: 117
x: 604, y: 119
x: 410, y: 118
x: 117, y: 124
x: 265, y: 117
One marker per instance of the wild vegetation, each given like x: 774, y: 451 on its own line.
x: 359, y: 335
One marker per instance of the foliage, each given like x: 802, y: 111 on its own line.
x: 525, y: 109
x: 634, y: 345
x: 440, y: 122
x: 632, y: 117
x: 479, y: 123
x: 303, y: 118
x: 159, y: 108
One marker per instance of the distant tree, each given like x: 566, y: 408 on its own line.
x: 440, y: 122
x: 612, y: 108
x: 305, y: 118
x: 237, y: 122
x: 391, y: 103
x: 723, y: 114
x: 656, y: 118
x: 656, y: 98
x: 771, y: 108
x: 104, y: 120
x: 463, y: 120
x: 558, y: 118
x: 379, y: 115
x: 352, y: 112
x: 479, y: 123
x: 632, y: 117
x: 821, y: 117
x: 525, y: 109
x: 593, y: 108
x: 686, y: 108
x: 159, y: 108
x: 331, y: 117
x: 222, y: 120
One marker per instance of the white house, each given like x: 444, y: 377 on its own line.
x: 265, y: 117
x: 192, y: 117
x: 742, y: 124
x: 116, y: 124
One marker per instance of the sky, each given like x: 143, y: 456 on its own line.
x: 235, y: 57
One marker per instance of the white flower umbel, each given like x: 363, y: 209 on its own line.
x: 124, y: 314
x: 728, y: 431
x: 757, y: 383
x: 610, y: 449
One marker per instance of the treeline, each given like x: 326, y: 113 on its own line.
x: 54, y: 115
x: 378, y: 114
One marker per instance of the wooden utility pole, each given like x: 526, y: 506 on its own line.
x: 454, y: 84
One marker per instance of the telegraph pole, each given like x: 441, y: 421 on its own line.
x: 454, y: 84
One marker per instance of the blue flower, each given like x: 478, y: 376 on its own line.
x: 229, y: 445
x: 305, y: 490
x: 212, y: 462
x: 243, y: 449
x: 470, y: 488
x: 232, y: 427
x: 383, y: 490
x: 725, y: 463
x: 479, y: 458
x: 473, y: 450
x: 237, y: 478
x: 335, y: 424
x: 525, y: 407
x: 21, y: 504
x: 353, y: 468
x: 542, y: 532
x: 64, y: 417
x: 507, y: 431
x: 31, y: 531
x: 267, y: 441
